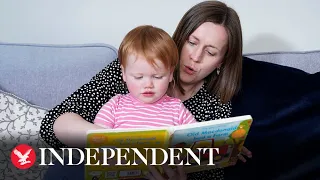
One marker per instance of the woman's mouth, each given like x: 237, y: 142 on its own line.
x: 189, y: 70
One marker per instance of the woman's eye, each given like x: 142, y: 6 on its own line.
x: 211, y: 54
x: 138, y: 77
x: 192, y: 43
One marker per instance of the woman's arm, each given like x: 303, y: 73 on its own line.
x: 59, y: 128
x: 71, y: 128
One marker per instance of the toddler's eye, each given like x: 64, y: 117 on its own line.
x: 158, y: 77
x: 138, y: 77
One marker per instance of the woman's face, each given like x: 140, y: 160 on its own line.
x: 203, y: 52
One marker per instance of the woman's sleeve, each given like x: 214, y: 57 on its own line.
x: 86, y: 101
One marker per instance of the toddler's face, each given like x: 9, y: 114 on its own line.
x: 146, y: 82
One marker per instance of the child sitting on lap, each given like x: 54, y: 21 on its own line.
x: 148, y: 57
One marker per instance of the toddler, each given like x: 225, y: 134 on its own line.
x: 148, y: 56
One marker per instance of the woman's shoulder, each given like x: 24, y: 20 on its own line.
x: 110, y: 75
x: 206, y: 106
x: 204, y: 97
x: 108, y: 81
x: 113, y: 67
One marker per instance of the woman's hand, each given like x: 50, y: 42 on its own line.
x: 71, y: 129
x: 171, y: 174
x: 245, y: 153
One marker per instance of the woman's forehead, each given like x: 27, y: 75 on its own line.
x: 211, y: 34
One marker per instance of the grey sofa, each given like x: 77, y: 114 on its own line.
x: 37, y: 77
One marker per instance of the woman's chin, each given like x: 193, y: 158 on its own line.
x: 187, y: 79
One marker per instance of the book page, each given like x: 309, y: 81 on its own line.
x: 228, y: 137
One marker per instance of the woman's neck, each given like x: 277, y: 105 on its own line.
x: 189, y: 90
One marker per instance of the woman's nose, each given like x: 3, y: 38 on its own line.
x: 196, y: 54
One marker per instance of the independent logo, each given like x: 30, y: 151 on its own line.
x: 23, y: 156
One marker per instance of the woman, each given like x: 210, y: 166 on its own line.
x: 209, y: 41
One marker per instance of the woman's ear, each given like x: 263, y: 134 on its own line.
x: 123, y: 74
x: 220, y: 64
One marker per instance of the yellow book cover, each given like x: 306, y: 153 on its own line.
x: 225, y: 135
x: 132, y: 166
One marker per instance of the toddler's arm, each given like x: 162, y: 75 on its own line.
x: 185, y: 116
x: 106, y: 116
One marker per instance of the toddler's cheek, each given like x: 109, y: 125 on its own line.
x: 133, y: 87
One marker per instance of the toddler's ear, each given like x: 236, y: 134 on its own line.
x: 123, y: 75
x: 171, y: 76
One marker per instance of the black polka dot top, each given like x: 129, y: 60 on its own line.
x: 89, y: 98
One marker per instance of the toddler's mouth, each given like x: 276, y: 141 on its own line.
x: 148, y: 93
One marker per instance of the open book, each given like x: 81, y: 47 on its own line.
x: 227, y: 136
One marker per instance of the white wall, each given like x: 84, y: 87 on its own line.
x: 268, y: 25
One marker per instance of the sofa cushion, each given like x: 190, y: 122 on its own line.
x: 19, y: 124
x: 284, y: 103
x: 307, y: 61
x: 45, y: 75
